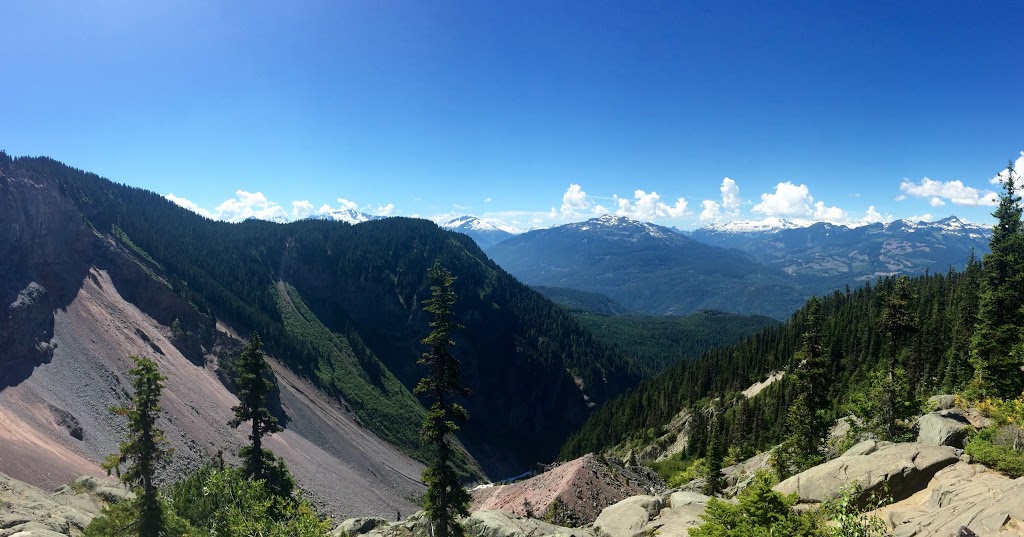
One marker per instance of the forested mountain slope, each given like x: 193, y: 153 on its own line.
x: 340, y: 305
x: 933, y: 353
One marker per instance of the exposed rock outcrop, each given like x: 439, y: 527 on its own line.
x: 901, y: 469
x: 629, y: 517
x: 503, y: 524
x: 961, y: 495
x: 944, y: 428
x: 30, y: 511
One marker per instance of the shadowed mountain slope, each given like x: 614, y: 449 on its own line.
x: 337, y: 305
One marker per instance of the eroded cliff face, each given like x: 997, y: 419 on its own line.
x: 75, y: 304
x: 45, y: 252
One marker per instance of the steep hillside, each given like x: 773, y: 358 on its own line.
x: 336, y: 304
x: 648, y: 268
x: 933, y: 354
x: 81, y: 303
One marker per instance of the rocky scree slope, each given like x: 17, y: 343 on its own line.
x: 80, y: 303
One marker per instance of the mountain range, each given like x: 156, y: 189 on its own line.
x: 648, y: 268
x: 852, y: 255
x: 768, y: 269
x: 484, y: 233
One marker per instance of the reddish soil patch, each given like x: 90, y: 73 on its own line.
x: 584, y: 487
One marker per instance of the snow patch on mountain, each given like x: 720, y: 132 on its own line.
x: 470, y: 222
x: 345, y: 215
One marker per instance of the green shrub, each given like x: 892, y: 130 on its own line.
x: 761, y: 512
x: 847, y: 519
x: 122, y: 519
x: 228, y: 505
x: 993, y: 447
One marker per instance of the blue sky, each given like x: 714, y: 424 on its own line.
x: 813, y: 110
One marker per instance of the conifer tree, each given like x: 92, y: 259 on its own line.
x: 806, y: 418
x: 253, y: 388
x: 145, y: 450
x: 896, y: 323
x: 714, y: 482
x: 995, y: 346
x: 446, y: 498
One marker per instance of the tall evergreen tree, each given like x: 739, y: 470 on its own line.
x: 145, y: 449
x: 251, y: 372
x: 446, y: 498
x: 807, y: 417
x: 715, y: 480
x: 896, y: 324
x: 995, y: 352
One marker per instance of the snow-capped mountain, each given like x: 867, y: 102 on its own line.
x: 768, y: 225
x: 484, y: 233
x: 647, y: 267
x: 351, y: 216
x: 851, y: 255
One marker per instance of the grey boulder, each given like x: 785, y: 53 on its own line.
x: 897, y: 469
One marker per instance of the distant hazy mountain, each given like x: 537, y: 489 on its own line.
x: 648, y: 268
x: 484, y: 233
x: 845, y: 255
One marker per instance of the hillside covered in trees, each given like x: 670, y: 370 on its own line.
x: 341, y: 305
x: 876, y: 352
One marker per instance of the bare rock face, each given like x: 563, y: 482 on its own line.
x: 628, y: 518
x: 29, y: 511
x: 502, y: 524
x: 902, y: 469
x: 961, y: 497
x: 944, y: 428
x: 43, y: 257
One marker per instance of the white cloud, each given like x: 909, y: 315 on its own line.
x: 648, y: 206
x: 188, y: 204
x: 873, y: 216
x: 954, y: 191
x: 599, y: 210
x: 302, y: 209
x: 829, y: 214
x: 927, y: 217
x: 385, y: 210
x: 256, y: 205
x: 573, y: 201
x: 712, y: 211
x: 249, y: 205
x: 788, y: 200
x: 730, y: 195
x: 936, y: 202
x: 487, y: 200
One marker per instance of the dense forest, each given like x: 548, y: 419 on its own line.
x: 875, y: 352
x: 935, y: 358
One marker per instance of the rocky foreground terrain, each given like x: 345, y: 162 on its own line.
x: 936, y: 490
